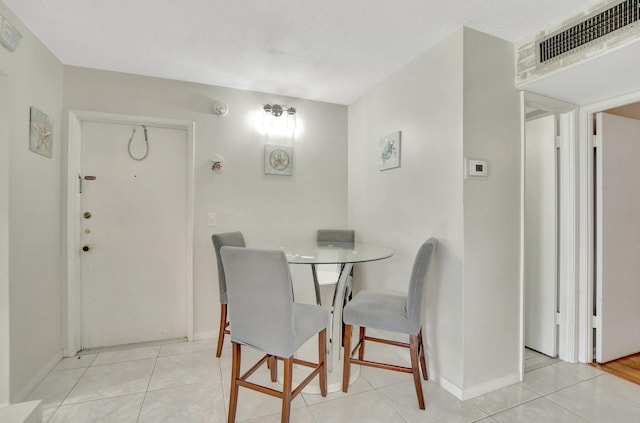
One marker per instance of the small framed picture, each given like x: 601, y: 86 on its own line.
x: 389, y: 151
x: 278, y: 160
x: 41, y: 133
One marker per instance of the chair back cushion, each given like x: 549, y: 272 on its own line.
x: 415, y: 296
x: 231, y: 239
x: 336, y: 235
x: 329, y: 273
x: 260, y: 299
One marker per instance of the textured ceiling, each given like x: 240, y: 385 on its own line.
x: 327, y: 50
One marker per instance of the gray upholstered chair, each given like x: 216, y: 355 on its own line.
x: 265, y: 318
x: 327, y: 274
x: 232, y: 239
x: 392, y: 313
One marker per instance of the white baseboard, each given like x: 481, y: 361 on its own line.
x: 475, y: 391
x: 39, y: 377
x: 205, y: 336
x: 449, y: 386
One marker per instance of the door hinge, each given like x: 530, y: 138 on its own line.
x: 558, y: 141
x: 80, y: 184
x: 595, y: 322
x: 558, y: 319
x: 597, y: 141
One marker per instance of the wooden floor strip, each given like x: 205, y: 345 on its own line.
x: 626, y: 367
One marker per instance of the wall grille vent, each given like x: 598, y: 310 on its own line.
x: 589, y: 30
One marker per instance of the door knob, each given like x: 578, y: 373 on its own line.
x: 87, y: 247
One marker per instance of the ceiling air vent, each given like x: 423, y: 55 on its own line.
x: 600, y: 24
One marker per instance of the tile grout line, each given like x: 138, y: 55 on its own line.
x: 148, y: 385
x: 70, y: 390
x: 586, y: 380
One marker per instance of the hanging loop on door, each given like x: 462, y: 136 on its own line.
x: 146, y: 142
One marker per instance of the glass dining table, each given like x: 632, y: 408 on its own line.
x: 346, y: 255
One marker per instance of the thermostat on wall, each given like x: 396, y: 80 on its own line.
x: 476, y: 169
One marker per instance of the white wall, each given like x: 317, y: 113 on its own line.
x: 269, y: 209
x: 455, y: 100
x: 5, y: 366
x: 491, y: 216
x: 35, y: 79
x: 401, y: 208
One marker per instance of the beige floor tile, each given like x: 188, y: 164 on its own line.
x: 583, y: 371
x: 619, y: 386
x: 504, y: 398
x: 597, y: 404
x: 47, y: 413
x: 199, y: 402
x: 367, y: 407
x: 125, y: 355
x: 549, y: 379
x: 55, y: 387
x: 176, y: 370
x: 123, y: 409
x: 298, y: 415
x: 359, y: 386
x: 540, y: 410
x: 440, y: 405
x: 112, y: 380
x: 187, y: 347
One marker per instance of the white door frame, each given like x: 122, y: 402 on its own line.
x: 5, y: 365
x: 73, y: 218
x: 567, y: 345
x: 587, y: 220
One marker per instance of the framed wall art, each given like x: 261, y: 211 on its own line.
x: 389, y: 151
x: 278, y: 160
x: 41, y: 133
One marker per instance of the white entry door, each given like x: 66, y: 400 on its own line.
x: 134, y: 228
x: 540, y: 235
x: 617, y: 237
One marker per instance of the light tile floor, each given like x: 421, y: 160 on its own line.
x: 185, y: 382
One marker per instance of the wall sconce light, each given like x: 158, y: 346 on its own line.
x: 271, y: 111
x: 216, y: 164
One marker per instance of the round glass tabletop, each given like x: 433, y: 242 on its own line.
x: 335, y: 253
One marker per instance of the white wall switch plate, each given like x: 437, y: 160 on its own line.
x: 211, y: 219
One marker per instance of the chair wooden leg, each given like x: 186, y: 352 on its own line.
x: 363, y: 331
x: 223, y: 325
x: 415, y: 366
x: 273, y: 367
x: 286, y: 390
x: 423, y: 362
x: 322, y: 355
x: 346, y: 371
x: 235, y: 374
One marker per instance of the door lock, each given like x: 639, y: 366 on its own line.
x: 87, y: 247
x: 86, y: 215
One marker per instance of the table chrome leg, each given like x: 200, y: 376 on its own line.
x: 336, y: 314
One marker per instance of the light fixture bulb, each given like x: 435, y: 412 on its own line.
x: 276, y: 110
